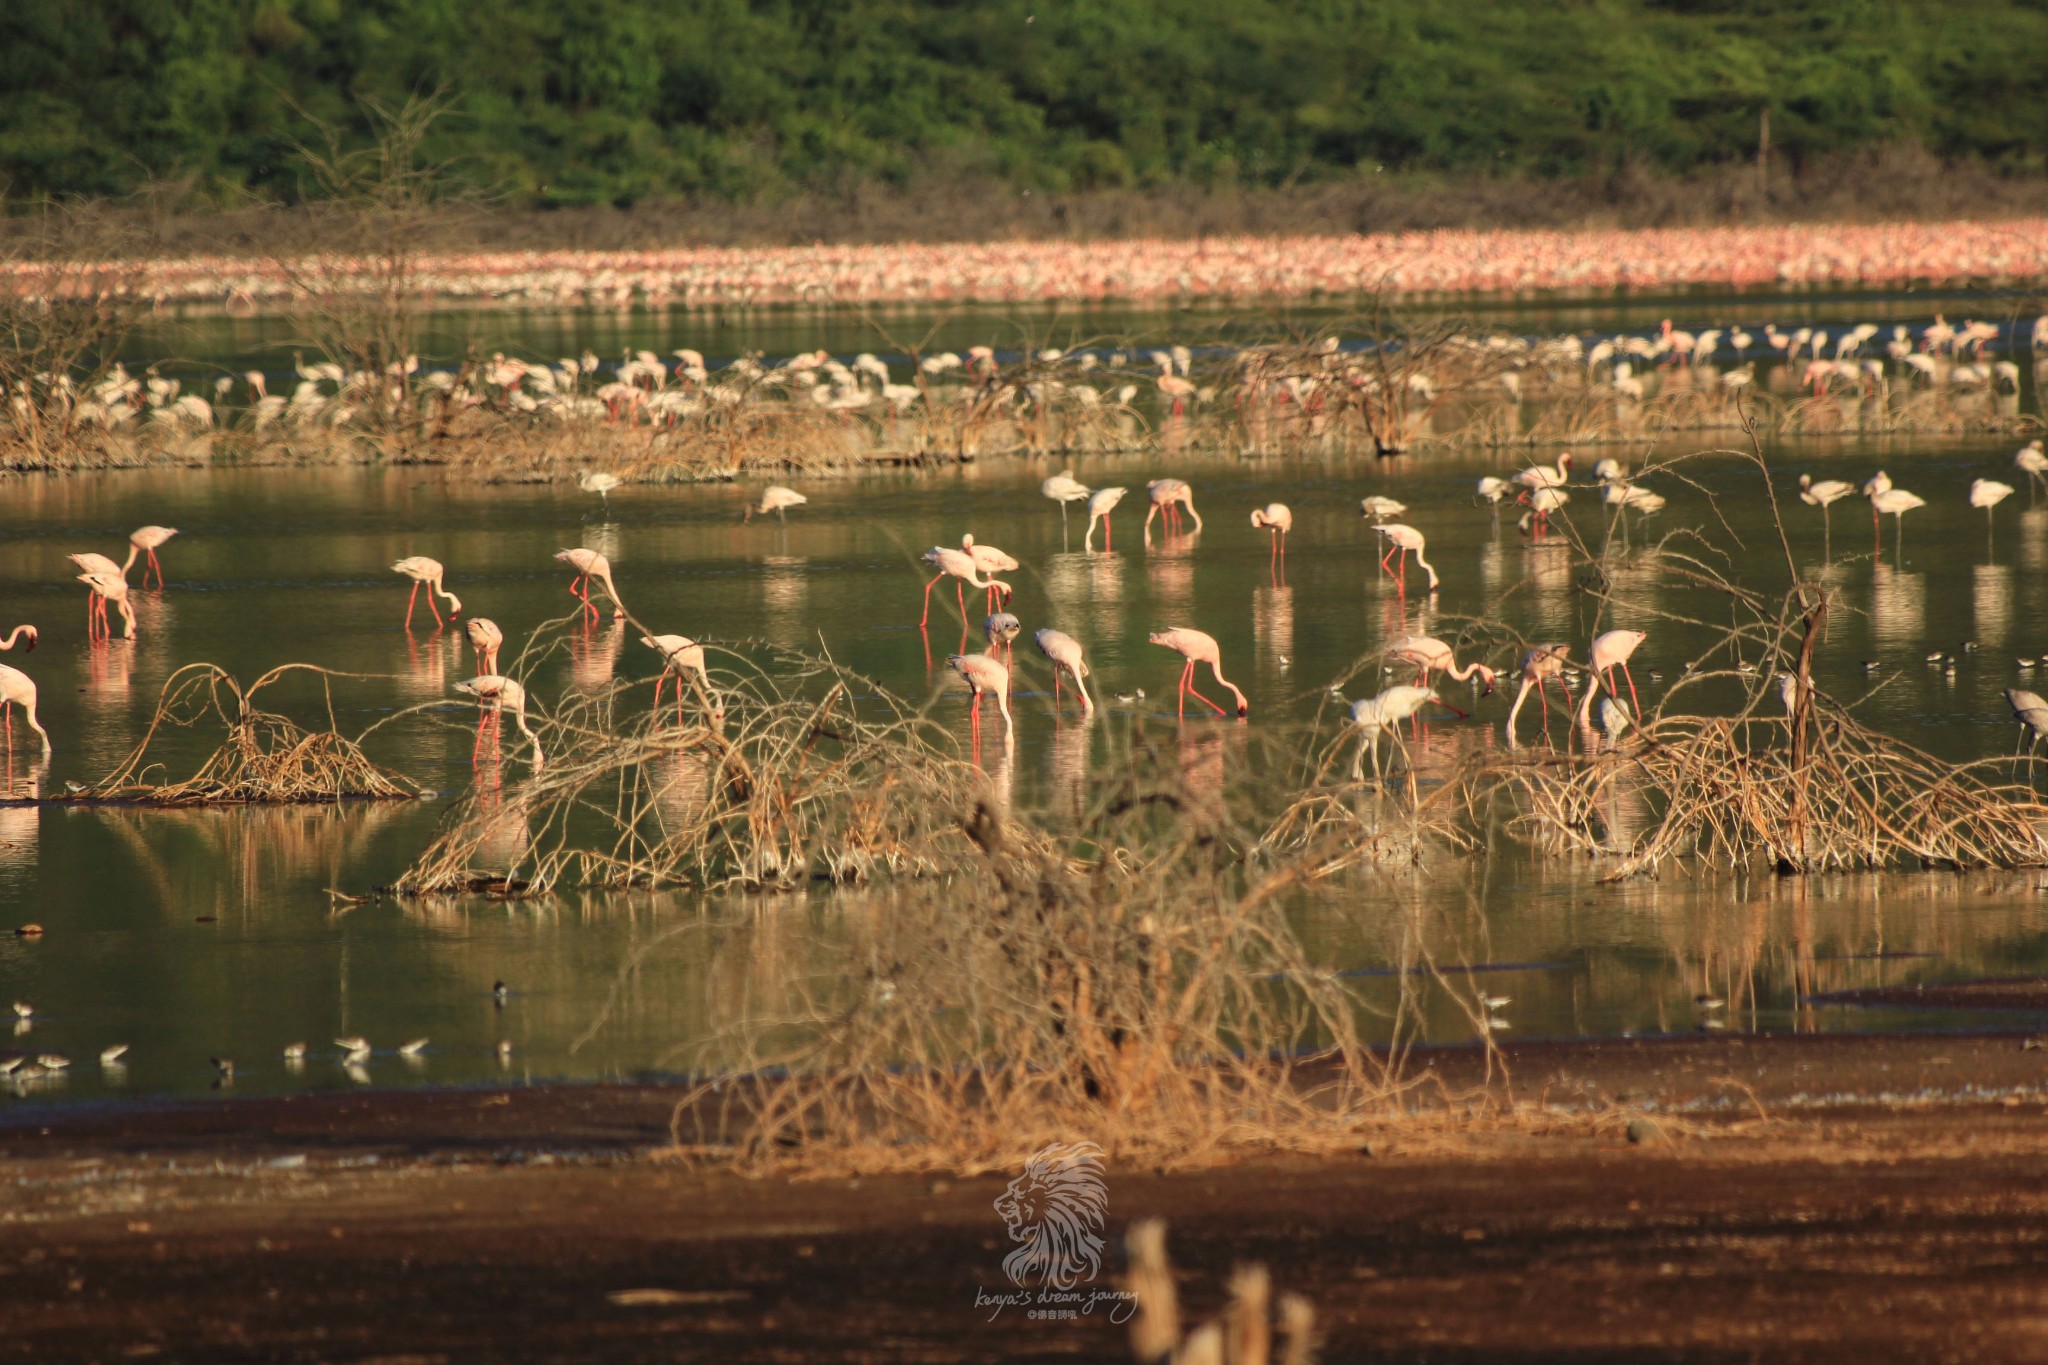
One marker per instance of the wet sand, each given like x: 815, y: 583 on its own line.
x: 1890, y: 1208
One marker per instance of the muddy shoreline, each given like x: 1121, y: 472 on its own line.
x: 1889, y: 1207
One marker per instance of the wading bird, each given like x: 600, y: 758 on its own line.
x: 2032, y: 713
x: 1381, y: 509
x: 1384, y: 714
x: 1431, y: 655
x: 990, y: 561
x: 1824, y: 494
x: 1198, y: 648
x: 422, y: 570
x: 147, y: 539
x: 1987, y: 494
x: 18, y: 689
x: 485, y: 638
x: 1064, y: 488
x: 681, y: 656
x: 17, y: 633
x: 107, y: 588
x: 1170, y: 496
x: 1896, y: 502
x: 1276, y: 518
x: 2032, y: 460
x: 1538, y: 667
x: 1402, y: 541
x: 497, y: 694
x: 1065, y: 653
x: 961, y: 566
x: 983, y: 674
x: 589, y: 564
x: 1605, y: 653
x: 1001, y: 629
x: 1101, y: 503
x: 602, y: 485
x: 777, y: 499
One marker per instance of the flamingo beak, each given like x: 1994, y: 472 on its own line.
x: 32, y: 644
x: 1487, y: 691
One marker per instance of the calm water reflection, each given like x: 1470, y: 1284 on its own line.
x: 198, y: 933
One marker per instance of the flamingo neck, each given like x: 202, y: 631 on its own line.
x: 12, y: 636
x: 129, y: 562
x: 1429, y: 569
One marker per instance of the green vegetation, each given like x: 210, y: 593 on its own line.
x: 627, y: 101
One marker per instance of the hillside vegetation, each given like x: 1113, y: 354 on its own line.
x: 621, y: 102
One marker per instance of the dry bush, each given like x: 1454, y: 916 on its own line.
x: 264, y: 758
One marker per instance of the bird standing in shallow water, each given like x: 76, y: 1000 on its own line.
x: 777, y: 499
x: 485, y: 638
x: 1198, y: 648
x: 2032, y: 713
x: 1383, y: 714
x: 589, y: 564
x: 1987, y: 494
x: 1169, y: 496
x: 1065, y: 653
x: 1278, y: 519
x: 107, y: 588
x: 1403, y: 541
x: 422, y: 570
x: 498, y: 694
x: 1538, y: 666
x: 1101, y: 503
x: 1895, y: 502
x: 1064, y: 488
x: 960, y: 565
x: 1602, y: 656
x: 1824, y: 494
x: 146, y: 539
x: 983, y: 674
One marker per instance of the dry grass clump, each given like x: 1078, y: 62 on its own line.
x: 264, y: 758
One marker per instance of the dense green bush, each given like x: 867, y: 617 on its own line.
x: 593, y: 101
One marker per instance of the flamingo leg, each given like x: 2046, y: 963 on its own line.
x: 1108, y: 535
x: 927, y: 618
x: 960, y: 596
x: 158, y: 567
x: 1543, y: 695
x: 409, y: 603
x: 1188, y: 677
x: 433, y: 607
x: 1638, y: 716
x: 659, y: 679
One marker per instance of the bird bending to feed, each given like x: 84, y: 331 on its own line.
x: 422, y: 570
x: 1538, y: 666
x: 1381, y: 509
x: 983, y: 674
x: 1824, y: 494
x: 990, y: 561
x: 1170, y: 496
x: 589, y: 564
x: 1895, y: 502
x: 1064, y: 488
x: 1492, y: 490
x: 1101, y: 503
x: 1198, y: 648
x: 681, y: 656
x: 485, y: 638
x: 777, y: 499
x: 17, y: 633
x: 1608, y: 651
x: 601, y: 484
x: 1384, y: 713
x: 960, y: 565
x: 1277, y: 518
x: 497, y: 694
x: 111, y: 1056
x: 147, y: 539
x: 107, y: 588
x: 354, y: 1048
x: 1402, y: 540
x: 2032, y: 713
x: 1065, y: 653
x: 1001, y: 629
x: 1431, y: 655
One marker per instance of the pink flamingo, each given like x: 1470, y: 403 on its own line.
x: 1065, y: 653
x: 1404, y: 540
x: 589, y: 564
x: 17, y: 633
x: 497, y: 694
x: 1431, y: 655
x: 1198, y: 648
x: 960, y: 565
x: 1169, y: 496
x: 146, y: 539
x: 484, y: 638
x: 1537, y: 667
x: 18, y: 689
x: 107, y: 588
x: 1608, y: 650
x: 990, y: 561
x: 1278, y: 519
x: 1101, y: 503
x: 422, y: 570
x: 681, y: 656
x: 983, y: 674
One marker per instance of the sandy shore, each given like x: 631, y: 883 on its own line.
x: 1892, y: 1208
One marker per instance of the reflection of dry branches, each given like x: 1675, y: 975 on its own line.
x: 264, y: 758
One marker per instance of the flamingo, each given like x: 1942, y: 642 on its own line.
x: 1431, y: 655
x: 1602, y: 656
x: 984, y: 674
x: 147, y: 539
x: 2032, y: 460
x: 601, y: 484
x: 1824, y: 494
x: 990, y: 561
x: 1546, y: 476
x: 1064, y: 488
x: 1385, y: 712
x: 681, y: 656
x: 1382, y: 509
x: 1542, y: 501
x: 1491, y: 490
x: 107, y: 588
x: 484, y: 638
x: 1895, y: 502
x: 960, y: 565
x: 30, y: 631
x: 777, y: 499
x: 1101, y: 503
x: 1065, y: 653
x: 589, y: 564
x: 499, y: 693
x: 1987, y: 494
x: 1169, y: 496
x: 1538, y: 666
x: 18, y: 689
x: 1401, y: 540
x: 1880, y: 482
x: 2027, y: 708
x: 1001, y: 629
x: 421, y: 569
x: 1198, y: 648
x: 1277, y: 518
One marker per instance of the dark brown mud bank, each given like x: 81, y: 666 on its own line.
x: 1893, y: 1207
